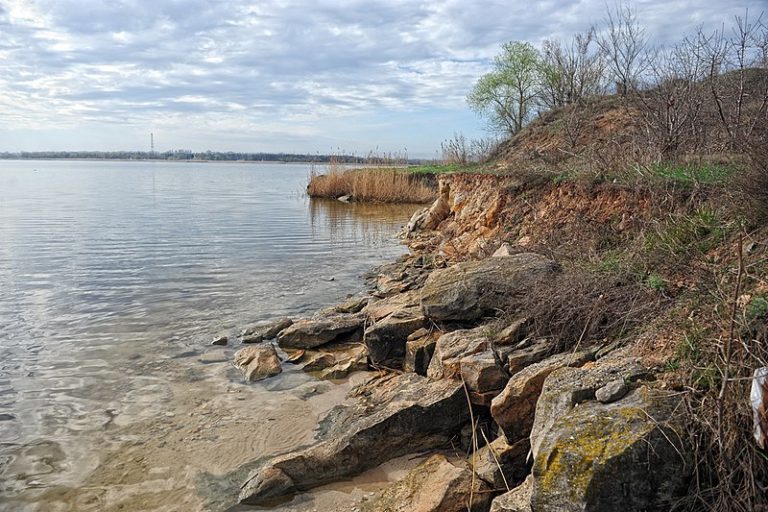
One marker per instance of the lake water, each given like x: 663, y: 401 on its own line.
x: 114, y: 277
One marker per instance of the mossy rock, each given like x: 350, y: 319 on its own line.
x: 624, y: 456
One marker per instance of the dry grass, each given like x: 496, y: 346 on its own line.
x: 726, y: 342
x: 580, y: 307
x: 371, y: 185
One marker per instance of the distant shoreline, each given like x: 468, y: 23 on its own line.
x: 160, y: 160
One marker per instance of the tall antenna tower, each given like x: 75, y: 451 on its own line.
x: 151, y: 143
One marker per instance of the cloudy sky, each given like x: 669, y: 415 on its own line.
x: 275, y: 75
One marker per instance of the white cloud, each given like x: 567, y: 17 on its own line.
x: 224, y: 71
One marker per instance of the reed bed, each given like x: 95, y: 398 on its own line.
x: 370, y: 185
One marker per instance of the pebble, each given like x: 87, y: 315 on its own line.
x: 614, y: 390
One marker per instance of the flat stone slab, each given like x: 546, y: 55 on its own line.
x: 264, y: 331
x: 389, y: 417
x: 436, y: 485
x: 314, y: 332
x: 469, y: 290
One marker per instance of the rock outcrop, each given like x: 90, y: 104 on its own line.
x: 390, y: 417
x: 470, y: 290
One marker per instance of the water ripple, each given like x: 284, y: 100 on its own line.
x: 108, y: 270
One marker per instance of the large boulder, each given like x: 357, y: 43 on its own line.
x: 436, y: 485
x: 313, y: 332
x: 258, y: 362
x: 513, y: 409
x: 470, y: 290
x: 626, y: 455
x: 391, y: 416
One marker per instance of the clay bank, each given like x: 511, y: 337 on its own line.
x: 521, y: 382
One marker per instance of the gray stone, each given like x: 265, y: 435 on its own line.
x: 264, y: 331
x: 470, y: 290
x: 314, y: 332
x: 513, y: 409
x: 391, y: 416
x: 611, y: 392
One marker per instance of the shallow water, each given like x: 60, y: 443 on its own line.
x: 114, y: 277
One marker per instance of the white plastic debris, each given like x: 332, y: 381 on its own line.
x: 759, y: 398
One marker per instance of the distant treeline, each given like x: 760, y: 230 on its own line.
x: 182, y: 154
x: 202, y: 156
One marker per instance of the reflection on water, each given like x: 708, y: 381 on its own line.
x: 356, y: 221
x: 113, y: 279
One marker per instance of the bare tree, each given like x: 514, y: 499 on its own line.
x: 456, y: 149
x: 571, y: 72
x: 623, y: 43
x: 737, y: 78
x: 673, y: 101
x: 460, y: 150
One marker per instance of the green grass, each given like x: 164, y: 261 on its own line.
x: 695, y: 233
x: 440, y: 168
x: 656, y: 283
x: 757, y: 308
x: 689, y: 174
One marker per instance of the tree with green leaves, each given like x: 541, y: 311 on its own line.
x: 507, y: 95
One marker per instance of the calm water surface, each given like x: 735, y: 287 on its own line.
x: 114, y: 276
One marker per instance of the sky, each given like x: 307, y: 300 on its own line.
x: 276, y: 75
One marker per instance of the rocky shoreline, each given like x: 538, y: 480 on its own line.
x: 454, y: 367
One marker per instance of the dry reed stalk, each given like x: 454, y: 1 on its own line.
x: 372, y: 185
